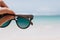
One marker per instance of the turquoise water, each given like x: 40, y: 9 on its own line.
x: 46, y: 18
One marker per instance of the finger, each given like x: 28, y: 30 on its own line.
x: 6, y: 10
x: 5, y: 19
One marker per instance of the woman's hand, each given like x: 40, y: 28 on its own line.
x: 6, y: 18
x: 2, y: 4
x: 3, y: 10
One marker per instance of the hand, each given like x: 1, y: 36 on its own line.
x: 6, y: 18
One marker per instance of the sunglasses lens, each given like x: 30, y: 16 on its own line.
x: 5, y: 24
x: 23, y: 22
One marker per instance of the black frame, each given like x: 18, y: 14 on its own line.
x: 23, y: 16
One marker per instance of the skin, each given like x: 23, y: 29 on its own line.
x: 3, y: 11
x: 2, y: 4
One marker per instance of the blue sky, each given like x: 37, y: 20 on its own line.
x: 39, y: 7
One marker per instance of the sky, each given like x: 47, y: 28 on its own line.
x: 36, y: 7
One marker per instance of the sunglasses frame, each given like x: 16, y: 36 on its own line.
x: 22, y: 16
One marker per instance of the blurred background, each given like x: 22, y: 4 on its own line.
x: 46, y: 22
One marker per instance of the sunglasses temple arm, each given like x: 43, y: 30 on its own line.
x: 31, y: 23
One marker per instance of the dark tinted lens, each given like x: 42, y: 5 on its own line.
x: 5, y: 24
x: 23, y: 22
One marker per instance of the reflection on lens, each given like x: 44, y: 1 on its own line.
x: 5, y: 24
x: 23, y: 22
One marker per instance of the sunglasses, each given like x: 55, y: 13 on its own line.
x: 22, y: 21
